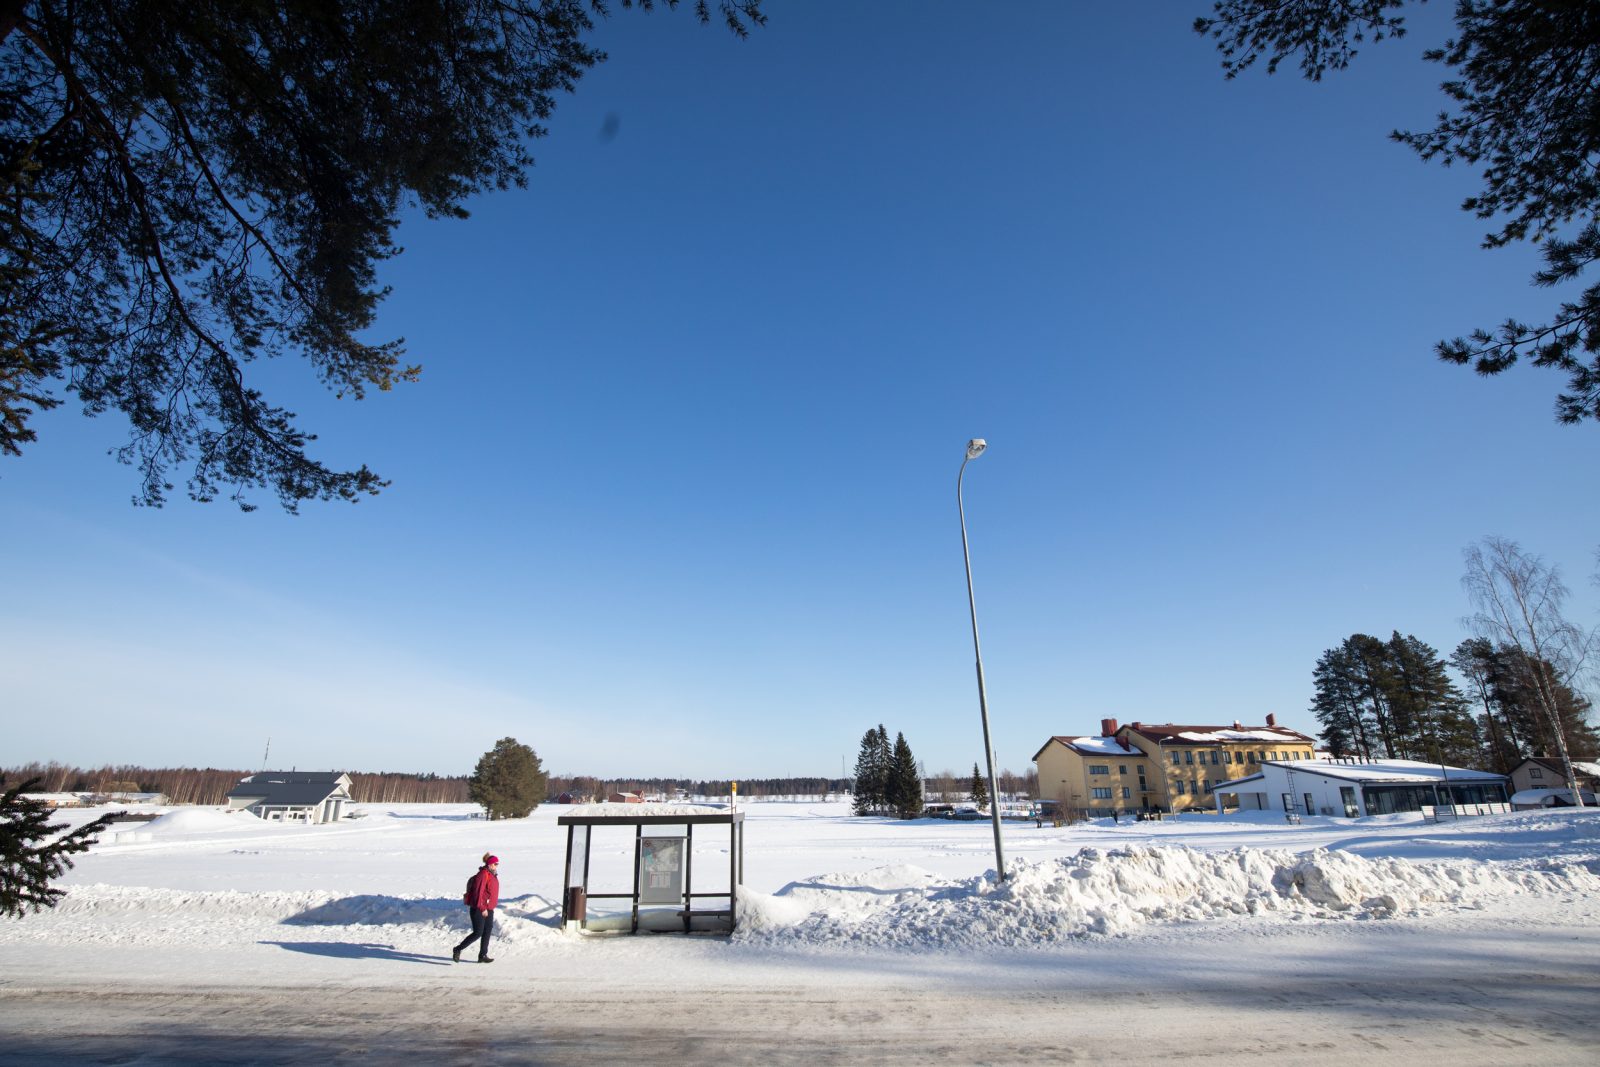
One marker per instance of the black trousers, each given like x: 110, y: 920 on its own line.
x: 482, y: 926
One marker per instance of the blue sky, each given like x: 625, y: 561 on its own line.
x: 675, y: 495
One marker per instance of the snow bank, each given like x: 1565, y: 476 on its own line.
x: 201, y: 821
x: 144, y: 915
x: 1117, y: 892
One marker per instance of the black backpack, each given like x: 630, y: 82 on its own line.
x: 472, y: 885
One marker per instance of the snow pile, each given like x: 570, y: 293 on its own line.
x: 201, y: 821
x: 143, y: 915
x: 1108, y: 893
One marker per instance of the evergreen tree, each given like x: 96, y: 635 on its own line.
x: 1431, y: 721
x: 1392, y: 699
x: 508, y: 781
x: 1337, y: 704
x: 1351, y: 684
x: 881, y: 800
x: 905, y: 784
x: 980, y: 788
x: 31, y: 856
x: 187, y: 187
x: 869, y: 775
x: 1476, y: 661
x: 1515, y: 693
x: 1523, y: 85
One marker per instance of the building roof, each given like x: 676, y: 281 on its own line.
x: 294, y: 794
x: 1172, y: 734
x: 295, y: 788
x: 303, y: 777
x: 1589, y: 766
x: 1373, y: 772
x: 1093, y: 746
x: 55, y: 798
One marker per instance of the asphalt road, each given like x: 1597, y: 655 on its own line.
x: 1367, y: 997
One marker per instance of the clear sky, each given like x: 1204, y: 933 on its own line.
x: 676, y: 493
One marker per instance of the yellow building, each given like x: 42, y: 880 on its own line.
x: 1151, y: 767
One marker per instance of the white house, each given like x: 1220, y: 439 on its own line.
x: 304, y: 796
x: 1354, y: 787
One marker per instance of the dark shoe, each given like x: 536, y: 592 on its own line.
x: 485, y: 959
x: 455, y: 955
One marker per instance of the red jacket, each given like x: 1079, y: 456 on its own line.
x: 485, y: 890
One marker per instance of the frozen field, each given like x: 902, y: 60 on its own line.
x: 206, y: 938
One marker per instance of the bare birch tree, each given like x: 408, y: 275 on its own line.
x: 1518, y: 599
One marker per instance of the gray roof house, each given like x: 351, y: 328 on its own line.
x: 298, y: 796
x: 1548, y: 773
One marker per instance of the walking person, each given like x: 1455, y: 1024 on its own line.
x: 483, y: 893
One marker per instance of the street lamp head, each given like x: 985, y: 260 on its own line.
x: 975, y: 447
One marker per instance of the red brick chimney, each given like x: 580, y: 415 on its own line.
x: 1272, y: 720
x: 1108, y: 727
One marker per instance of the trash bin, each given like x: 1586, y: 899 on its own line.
x: 576, y: 903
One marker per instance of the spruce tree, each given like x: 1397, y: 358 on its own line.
x: 905, y: 784
x: 868, y: 775
x: 508, y: 781
x: 882, y: 799
x: 980, y: 788
x: 31, y: 856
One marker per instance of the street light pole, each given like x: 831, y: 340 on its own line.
x: 975, y: 449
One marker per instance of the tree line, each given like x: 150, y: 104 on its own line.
x: 210, y: 785
x: 888, y: 780
x: 584, y: 787
x: 1395, y: 699
x: 948, y: 785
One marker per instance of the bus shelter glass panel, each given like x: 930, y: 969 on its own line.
x: 661, y: 863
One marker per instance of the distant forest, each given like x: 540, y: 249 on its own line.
x: 210, y: 786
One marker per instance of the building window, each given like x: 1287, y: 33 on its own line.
x: 1535, y: 772
x: 1252, y: 756
x: 1213, y: 757
x: 1188, y: 757
x: 1227, y: 757
x: 1181, y: 787
x: 1210, y: 785
x: 1126, y: 794
x: 1101, y: 794
x: 1099, y: 768
x: 1175, y: 758
x: 1122, y: 768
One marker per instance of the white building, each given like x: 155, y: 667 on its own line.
x: 302, y: 796
x: 1354, y: 787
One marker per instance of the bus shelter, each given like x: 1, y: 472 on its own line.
x: 663, y: 863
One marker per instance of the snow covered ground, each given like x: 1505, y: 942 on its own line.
x: 208, y: 937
